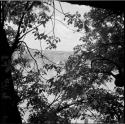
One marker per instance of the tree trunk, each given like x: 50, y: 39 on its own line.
x: 9, y: 113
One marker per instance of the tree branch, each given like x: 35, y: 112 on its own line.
x: 16, y: 41
x: 29, y: 31
x: 105, y: 59
x: 68, y: 105
x: 92, y: 113
x: 56, y: 98
x: 33, y: 59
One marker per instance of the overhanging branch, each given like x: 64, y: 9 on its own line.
x: 16, y: 41
x: 106, y: 59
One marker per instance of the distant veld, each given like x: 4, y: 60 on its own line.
x: 49, y: 56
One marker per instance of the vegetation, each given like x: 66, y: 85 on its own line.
x: 77, y: 87
x: 18, y: 18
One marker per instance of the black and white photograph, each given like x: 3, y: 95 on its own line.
x: 62, y: 62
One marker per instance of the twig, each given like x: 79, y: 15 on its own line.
x: 29, y: 31
x: 33, y: 59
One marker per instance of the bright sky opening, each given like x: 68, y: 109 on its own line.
x: 69, y: 38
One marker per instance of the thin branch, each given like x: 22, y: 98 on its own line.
x: 52, y: 28
x: 41, y: 46
x: 52, y: 12
x: 59, y: 11
x: 69, y: 27
x: 44, y: 57
x: 92, y: 113
x: 61, y: 7
x: 56, y: 98
x: 29, y: 31
x: 54, y: 19
x: 16, y: 41
x: 68, y: 105
x: 33, y: 59
x: 62, y: 22
x: 19, y: 27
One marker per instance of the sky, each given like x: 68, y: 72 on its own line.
x: 69, y: 39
